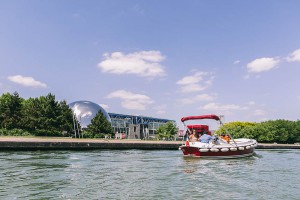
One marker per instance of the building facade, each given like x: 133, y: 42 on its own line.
x: 136, y: 127
x: 124, y: 126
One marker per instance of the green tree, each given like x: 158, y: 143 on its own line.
x: 296, y: 135
x: 280, y: 131
x: 38, y: 116
x: 65, y: 117
x: 167, y: 131
x: 10, y: 111
x: 277, y: 131
x: 238, y: 129
x: 31, y: 113
x: 98, y: 127
x: 44, y: 116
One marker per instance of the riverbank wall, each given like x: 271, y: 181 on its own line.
x: 23, y: 144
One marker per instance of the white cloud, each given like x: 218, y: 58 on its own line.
x: 196, y: 78
x: 199, y: 81
x: 143, y: 63
x: 26, y: 81
x: 204, y: 97
x: 252, y: 103
x: 236, y: 62
x: 259, y: 112
x: 104, y: 106
x: 262, y: 65
x: 295, y: 56
x: 131, y: 100
x: 197, y: 98
x: 192, y: 88
x: 160, y: 112
x: 225, y: 107
x: 160, y: 109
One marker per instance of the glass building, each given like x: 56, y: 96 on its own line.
x: 125, y: 126
x: 136, y: 126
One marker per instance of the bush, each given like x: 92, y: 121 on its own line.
x: 3, y: 132
x: 42, y: 132
x: 99, y: 135
x: 89, y: 134
x: 14, y: 132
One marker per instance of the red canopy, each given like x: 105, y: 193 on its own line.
x: 215, y: 117
x: 198, y: 126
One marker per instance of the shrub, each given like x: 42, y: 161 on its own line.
x: 42, y: 132
x: 14, y: 132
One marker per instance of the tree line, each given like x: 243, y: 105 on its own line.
x: 41, y: 116
x: 272, y: 131
x: 44, y: 116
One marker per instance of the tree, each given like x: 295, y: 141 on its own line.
x: 237, y: 129
x: 296, y: 136
x: 280, y: 131
x: 167, y: 131
x: 46, y: 116
x: 65, y: 117
x: 99, y: 126
x: 277, y: 131
x: 31, y: 113
x: 10, y: 111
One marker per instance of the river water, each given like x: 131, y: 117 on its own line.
x: 139, y: 174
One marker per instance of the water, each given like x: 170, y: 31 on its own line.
x: 138, y: 174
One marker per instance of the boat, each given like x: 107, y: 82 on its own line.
x: 217, y: 147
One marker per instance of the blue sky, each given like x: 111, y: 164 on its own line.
x: 165, y: 59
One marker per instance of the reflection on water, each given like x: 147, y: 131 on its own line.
x: 137, y: 174
x: 191, y: 165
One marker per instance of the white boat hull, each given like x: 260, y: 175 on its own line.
x: 237, y: 149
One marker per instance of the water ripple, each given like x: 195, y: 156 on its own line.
x: 137, y: 174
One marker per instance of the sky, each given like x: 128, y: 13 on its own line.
x: 165, y: 59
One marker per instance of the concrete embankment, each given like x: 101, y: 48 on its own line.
x: 23, y: 143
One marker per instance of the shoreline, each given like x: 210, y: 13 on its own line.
x: 50, y: 143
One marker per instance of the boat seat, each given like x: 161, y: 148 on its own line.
x: 222, y: 141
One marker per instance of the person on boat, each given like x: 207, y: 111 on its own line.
x: 205, y: 138
x: 198, y: 135
x: 193, y: 137
x: 225, y: 137
x: 186, y: 135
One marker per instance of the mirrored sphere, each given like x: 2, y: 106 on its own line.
x: 85, y: 111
